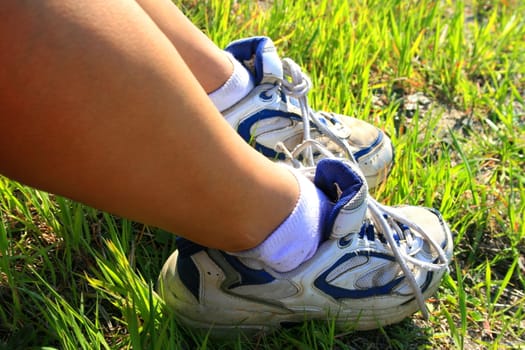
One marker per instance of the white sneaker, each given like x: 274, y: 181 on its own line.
x: 376, y: 267
x: 270, y: 115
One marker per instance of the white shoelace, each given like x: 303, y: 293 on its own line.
x: 296, y: 84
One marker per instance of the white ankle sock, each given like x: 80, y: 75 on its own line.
x: 234, y: 89
x: 298, y: 237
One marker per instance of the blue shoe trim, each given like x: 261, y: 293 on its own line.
x: 329, y: 172
x: 189, y: 274
x: 186, y: 269
x: 246, y: 49
x: 342, y: 293
x: 247, y: 276
x: 244, y: 129
x: 187, y: 247
x: 368, y: 149
x: 368, y: 230
x: 425, y: 285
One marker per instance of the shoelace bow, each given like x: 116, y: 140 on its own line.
x: 392, y: 225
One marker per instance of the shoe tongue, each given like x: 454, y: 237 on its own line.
x: 345, y: 186
x: 259, y: 55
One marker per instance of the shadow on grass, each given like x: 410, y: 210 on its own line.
x: 319, y: 335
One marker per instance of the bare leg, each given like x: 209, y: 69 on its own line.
x: 94, y: 102
x: 207, y: 62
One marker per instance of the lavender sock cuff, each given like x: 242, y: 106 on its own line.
x: 298, y: 237
x: 235, y: 88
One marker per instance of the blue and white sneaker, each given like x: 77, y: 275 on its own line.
x: 270, y: 114
x: 376, y: 267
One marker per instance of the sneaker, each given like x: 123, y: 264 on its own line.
x: 376, y: 267
x: 270, y: 114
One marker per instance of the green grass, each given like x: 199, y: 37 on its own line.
x: 72, y: 277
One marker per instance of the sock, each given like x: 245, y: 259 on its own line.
x: 297, y: 238
x: 235, y: 88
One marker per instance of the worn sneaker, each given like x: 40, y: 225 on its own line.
x: 270, y: 115
x: 376, y: 267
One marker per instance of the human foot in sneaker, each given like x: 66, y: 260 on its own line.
x: 270, y: 114
x: 375, y: 267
